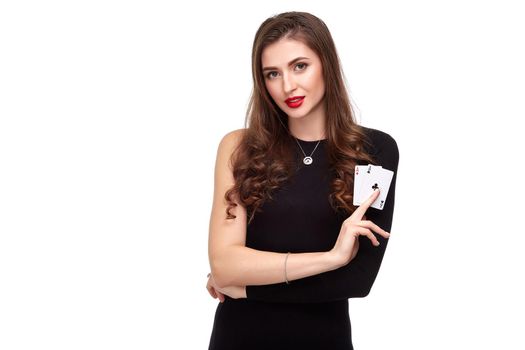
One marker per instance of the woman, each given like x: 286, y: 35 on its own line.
x: 287, y: 247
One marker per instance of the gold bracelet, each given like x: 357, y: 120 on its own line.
x: 285, y: 276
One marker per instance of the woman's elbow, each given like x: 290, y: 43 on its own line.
x: 365, y: 289
x: 218, y: 272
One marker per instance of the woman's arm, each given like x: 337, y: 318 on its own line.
x: 356, y: 278
x: 234, y: 264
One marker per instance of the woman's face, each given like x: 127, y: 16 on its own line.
x: 291, y: 69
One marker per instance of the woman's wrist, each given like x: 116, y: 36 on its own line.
x: 333, y: 260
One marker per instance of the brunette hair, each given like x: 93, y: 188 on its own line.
x: 263, y: 159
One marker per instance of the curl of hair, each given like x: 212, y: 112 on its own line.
x: 264, y: 158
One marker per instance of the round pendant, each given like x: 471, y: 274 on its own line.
x: 308, y: 160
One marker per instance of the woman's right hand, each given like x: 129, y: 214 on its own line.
x: 347, y: 244
x: 213, y: 289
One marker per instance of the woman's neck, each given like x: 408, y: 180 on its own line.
x: 308, y: 128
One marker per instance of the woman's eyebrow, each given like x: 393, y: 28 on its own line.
x: 289, y: 63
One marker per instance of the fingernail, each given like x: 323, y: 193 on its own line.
x: 377, y: 244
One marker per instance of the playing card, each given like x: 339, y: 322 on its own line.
x: 358, y: 180
x: 375, y: 177
x: 358, y: 177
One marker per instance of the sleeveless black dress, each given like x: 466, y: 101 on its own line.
x: 312, y: 312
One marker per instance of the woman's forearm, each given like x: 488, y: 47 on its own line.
x: 242, y: 266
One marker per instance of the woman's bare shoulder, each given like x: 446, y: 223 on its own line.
x: 226, y: 148
x: 230, y: 141
x: 234, y: 136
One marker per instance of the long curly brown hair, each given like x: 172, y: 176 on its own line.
x: 263, y: 159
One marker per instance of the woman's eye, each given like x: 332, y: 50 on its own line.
x: 301, y: 64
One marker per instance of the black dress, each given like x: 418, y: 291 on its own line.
x: 312, y: 312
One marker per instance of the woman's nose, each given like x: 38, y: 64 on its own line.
x: 289, y: 84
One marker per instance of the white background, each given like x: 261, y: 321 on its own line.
x: 111, y: 114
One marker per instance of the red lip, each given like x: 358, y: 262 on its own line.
x: 293, y: 98
x: 296, y: 103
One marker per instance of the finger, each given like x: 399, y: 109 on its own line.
x: 211, y: 290
x: 369, y: 224
x: 361, y: 210
x: 221, y: 297
x: 366, y: 232
x: 209, y: 287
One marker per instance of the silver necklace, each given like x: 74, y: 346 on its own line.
x: 307, y: 159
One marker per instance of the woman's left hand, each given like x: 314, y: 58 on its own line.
x: 234, y: 292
